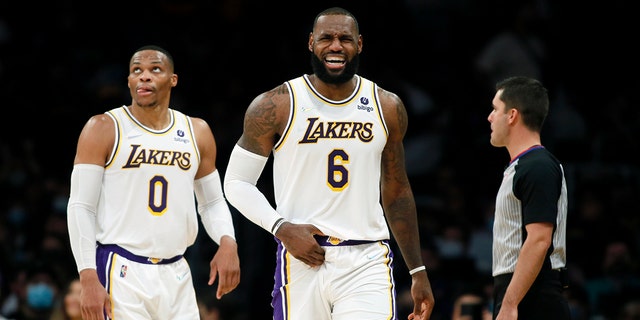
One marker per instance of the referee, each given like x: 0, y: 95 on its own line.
x: 529, y: 231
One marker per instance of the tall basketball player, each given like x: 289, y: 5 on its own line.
x: 337, y: 145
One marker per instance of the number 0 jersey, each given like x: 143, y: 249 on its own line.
x: 327, y: 164
x: 147, y: 201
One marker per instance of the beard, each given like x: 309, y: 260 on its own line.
x: 350, y: 69
x: 149, y: 104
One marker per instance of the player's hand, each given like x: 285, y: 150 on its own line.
x: 299, y: 241
x: 94, y: 299
x: 422, y: 295
x: 225, y: 265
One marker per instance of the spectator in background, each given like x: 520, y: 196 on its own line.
x: 70, y: 308
x: 16, y: 279
x: 470, y: 306
x: 37, y: 296
x: 481, y: 241
x: 71, y: 301
x: 210, y: 308
x: 618, y: 284
x: 518, y: 50
x: 630, y: 310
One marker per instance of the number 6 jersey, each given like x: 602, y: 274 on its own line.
x: 327, y: 163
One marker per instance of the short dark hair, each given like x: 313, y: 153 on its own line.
x: 336, y: 11
x: 159, y: 49
x: 528, y: 96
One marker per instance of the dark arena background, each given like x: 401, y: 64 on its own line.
x: 63, y: 61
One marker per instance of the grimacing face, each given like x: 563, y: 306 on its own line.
x: 335, y: 47
x: 319, y: 69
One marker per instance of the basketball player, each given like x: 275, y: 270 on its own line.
x: 337, y: 143
x: 132, y: 213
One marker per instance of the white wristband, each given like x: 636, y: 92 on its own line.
x: 418, y: 269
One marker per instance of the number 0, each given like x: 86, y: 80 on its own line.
x: 158, y: 187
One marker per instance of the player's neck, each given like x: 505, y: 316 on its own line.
x: 333, y: 91
x: 154, y: 117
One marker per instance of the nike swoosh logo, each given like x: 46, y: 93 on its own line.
x: 182, y: 276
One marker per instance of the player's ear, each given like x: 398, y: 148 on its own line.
x: 174, y: 80
x: 311, y: 41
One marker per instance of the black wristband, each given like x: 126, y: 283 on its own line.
x: 276, y: 224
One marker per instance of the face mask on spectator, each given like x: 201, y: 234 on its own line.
x: 40, y: 296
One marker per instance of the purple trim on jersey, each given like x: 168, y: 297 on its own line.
x: 108, y: 248
x: 525, y: 152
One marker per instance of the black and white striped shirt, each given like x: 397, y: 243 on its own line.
x: 533, y: 190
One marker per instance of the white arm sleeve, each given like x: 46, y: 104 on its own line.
x: 213, y: 208
x: 240, y: 180
x: 86, y: 185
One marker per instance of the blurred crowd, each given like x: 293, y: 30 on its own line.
x: 64, y: 62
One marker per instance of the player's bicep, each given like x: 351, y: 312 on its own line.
x: 395, y: 114
x: 394, y: 177
x: 96, y: 141
x: 265, y: 120
x: 206, y: 147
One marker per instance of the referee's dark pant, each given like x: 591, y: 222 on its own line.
x: 544, y: 300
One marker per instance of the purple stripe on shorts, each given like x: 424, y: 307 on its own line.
x: 328, y: 241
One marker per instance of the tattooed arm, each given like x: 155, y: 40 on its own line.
x: 264, y: 122
x: 399, y: 204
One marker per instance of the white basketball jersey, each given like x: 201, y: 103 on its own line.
x: 147, y: 202
x: 327, y: 163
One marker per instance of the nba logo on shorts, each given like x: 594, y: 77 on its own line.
x: 123, y: 271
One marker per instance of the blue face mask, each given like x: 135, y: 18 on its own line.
x: 40, y: 296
